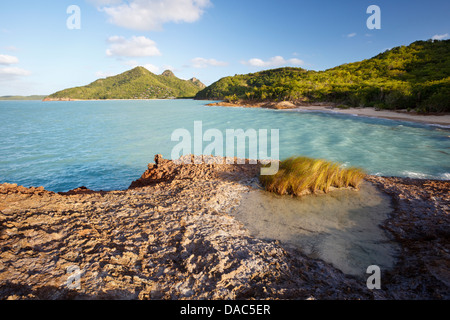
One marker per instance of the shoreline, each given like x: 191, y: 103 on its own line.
x: 400, y: 115
x: 441, y: 120
x: 171, y: 236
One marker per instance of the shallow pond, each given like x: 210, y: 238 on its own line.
x: 341, y: 228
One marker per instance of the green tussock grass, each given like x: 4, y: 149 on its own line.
x: 302, y: 175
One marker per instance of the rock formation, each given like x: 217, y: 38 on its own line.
x: 171, y: 236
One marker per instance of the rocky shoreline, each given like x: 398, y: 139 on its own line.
x: 171, y: 236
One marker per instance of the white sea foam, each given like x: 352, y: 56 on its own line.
x: 445, y: 176
x: 416, y: 175
x: 419, y: 175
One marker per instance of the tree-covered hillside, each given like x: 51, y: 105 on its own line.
x: 415, y: 77
x: 138, y: 83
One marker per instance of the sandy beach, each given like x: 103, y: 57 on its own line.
x: 403, y: 115
x: 443, y: 120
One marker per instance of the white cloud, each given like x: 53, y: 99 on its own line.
x: 12, y: 73
x: 202, y: 63
x: 134, y: 47
x: 296, y: 62
x: 5, y: 59
x: 169, y: 67
x: 439, y: 36
x: 351, y: 35
x: 277, y: 61
x: 151, y: 14
x: 150, y: 67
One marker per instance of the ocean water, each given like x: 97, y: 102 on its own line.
x: 104, y: 145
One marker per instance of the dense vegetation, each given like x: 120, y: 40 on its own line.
x: 138, y: 83
x: 412, y: 77
x: 301, y: 175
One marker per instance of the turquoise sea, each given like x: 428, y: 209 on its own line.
x: 104, y: 145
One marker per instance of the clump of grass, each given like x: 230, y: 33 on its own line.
x: 302, y: 175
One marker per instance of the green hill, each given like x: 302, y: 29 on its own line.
x: 415, y: 77
x: 138, y: 83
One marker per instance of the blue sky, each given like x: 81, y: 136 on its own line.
x: 207, y: 39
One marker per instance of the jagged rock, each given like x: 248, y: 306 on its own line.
x: 280, y: 105
x: 186, y: 169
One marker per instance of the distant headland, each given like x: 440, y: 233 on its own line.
x: 136, y: 84
x: 30, y: 98
x: 414, y: 78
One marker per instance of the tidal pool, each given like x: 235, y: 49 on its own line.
x: 341, y: 228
